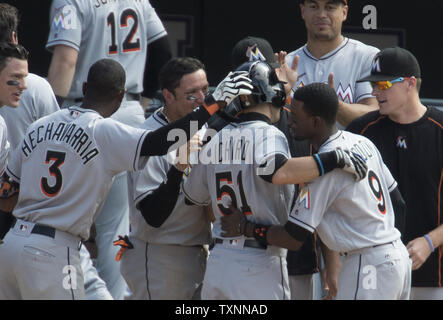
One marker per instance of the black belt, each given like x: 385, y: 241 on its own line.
x: 128, y: 96
x: 377, y: 245
x: 248, y: 243
x: 40, y: 229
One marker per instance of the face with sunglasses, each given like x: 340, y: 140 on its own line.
x: 392, y: 94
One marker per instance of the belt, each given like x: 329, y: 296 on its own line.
x: 248, y: 243
x: 363, y: 249
x: 40, y: 229
x: 128, y: 97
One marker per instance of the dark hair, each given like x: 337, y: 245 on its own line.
x: 319, y: 100
x: 172, y: 72
x: 106, y: 79
x: 10, y: 50
x: 9, y: 19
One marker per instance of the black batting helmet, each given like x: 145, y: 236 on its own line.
x: 266, y: 86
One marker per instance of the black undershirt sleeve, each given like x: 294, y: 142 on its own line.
x: 159, y: 52
x: 280, y: 160
x: 399, y: 209
x: 158, y: 205
x: 297, y: 232
x: 6, y: 219
x: 156, y: 142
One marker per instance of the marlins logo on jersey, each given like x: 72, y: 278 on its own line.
x: 304, y: 198
x: 65, y: 17
x: 345, y: 95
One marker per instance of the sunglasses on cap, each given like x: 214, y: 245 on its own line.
x: 386, y: 84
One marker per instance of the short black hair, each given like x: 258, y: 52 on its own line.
x: 10, y: 50
x: 319, y: 100
x: 9, y: 19
x: 106, y: 79
x: 172, y: 72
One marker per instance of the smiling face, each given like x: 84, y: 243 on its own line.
x: 190, y: 94
x: 323, y: 18
x: 12, y: 81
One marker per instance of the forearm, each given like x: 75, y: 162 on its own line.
x: 62, y: 69
x: 158, y: 205
x: 296, y: 170
x: 436, y: 236
x: 332, y: 258
x: 157, y: 143
x: 348, y: 112
x: 278, y: 236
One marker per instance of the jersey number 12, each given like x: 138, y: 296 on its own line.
x: 128, y: 44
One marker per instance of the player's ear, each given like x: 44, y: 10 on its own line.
x: 302, y: 10
x: 168, y: 95
x: 345, y: 12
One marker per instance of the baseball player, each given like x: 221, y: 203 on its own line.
x: 53, y: 165
x: 82, y: 32
x: 328, y: 56
x: 356, y: 219
x: 37, y: 101
x: 168, y: 259
x: 240, y: 167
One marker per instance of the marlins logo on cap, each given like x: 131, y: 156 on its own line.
x: 376, y: 65
x: 254, y: 54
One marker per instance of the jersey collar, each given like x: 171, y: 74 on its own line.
x: 253, y: 116
x: 333, y: 137
x: 329, y: 54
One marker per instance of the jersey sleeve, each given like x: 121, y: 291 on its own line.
x: 195, y: 187
x: 154, y: 26
x: 44, y: 100
x: 4, y: 145
x: 120, y: 144
x: 272, y: 143
x: 65, y: 24
x: 14, y: 166
x: 150, y: 177
x: 363, y: 90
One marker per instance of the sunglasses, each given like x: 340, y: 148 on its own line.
x: 385, y: 85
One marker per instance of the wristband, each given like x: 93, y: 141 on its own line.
x: 259, y: 232
x: 429, y: 242
x: 211, y: 105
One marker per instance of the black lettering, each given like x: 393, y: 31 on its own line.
x: 75, y: 137
x: 48, y: 131
x: 26, y: 150
x: 58, y: 131
x: 31, y: 139
x: 90, y: 155
x: 68, y: 133
x: 39, y: 139
x: 81, y: 154
x: 83, y: 139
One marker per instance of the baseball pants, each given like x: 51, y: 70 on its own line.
x: 163, y: 272
x: 246, y: 274
x: 40, y: 267
x: 306, y: 287
x: 376, y: 273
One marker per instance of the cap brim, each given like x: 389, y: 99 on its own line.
x: 377, y: 77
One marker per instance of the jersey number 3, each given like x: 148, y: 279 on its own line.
x: 128, y: 44
x: 57, y: 158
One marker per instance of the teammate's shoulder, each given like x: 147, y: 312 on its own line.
x: 34, y: 81
x: 298, y: 51
x: 154, y: 121
x: 370, y: 118
x: 361, y: 47
x: 436, y: 115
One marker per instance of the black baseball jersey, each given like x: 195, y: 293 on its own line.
x: 414, y: 155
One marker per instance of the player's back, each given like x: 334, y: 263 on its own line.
x: 119, y: 30
x: 59, y: 157
x: 358, y: 214
x: 238, y: 155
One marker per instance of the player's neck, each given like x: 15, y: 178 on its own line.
x: 323, y: 136
x: 410, y: 113
x: 319, y: 47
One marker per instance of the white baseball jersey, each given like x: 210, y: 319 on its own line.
x: 126, y: 27
x: 4, y: 145
x: 37, y: 101
x: 349, y: 62
x: 349, y: 215
x: 228, y: 173
x: 187, y: 225
x: 65, y: 165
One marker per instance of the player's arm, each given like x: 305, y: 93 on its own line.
x: 159, y: 52
x: 61, y: 71
x: 347, y: 112
x: 421, y: 248
x: 156, y: 142
x: 331, y: 271
x: 8, y: 199
x: 305, y: 169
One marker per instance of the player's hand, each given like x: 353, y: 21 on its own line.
x: 233, y: 224
x: 286, y: 73
x: 419, y: 252
x: 235, y: 84
x: 184, y: 151
x: 352, y: 162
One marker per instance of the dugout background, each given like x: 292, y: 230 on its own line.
x: 208, y: 29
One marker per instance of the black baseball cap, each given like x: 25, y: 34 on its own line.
x: 252, y: 49
x: 392, y: 63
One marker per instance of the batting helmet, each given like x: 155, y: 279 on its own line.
x: 266, y: 86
